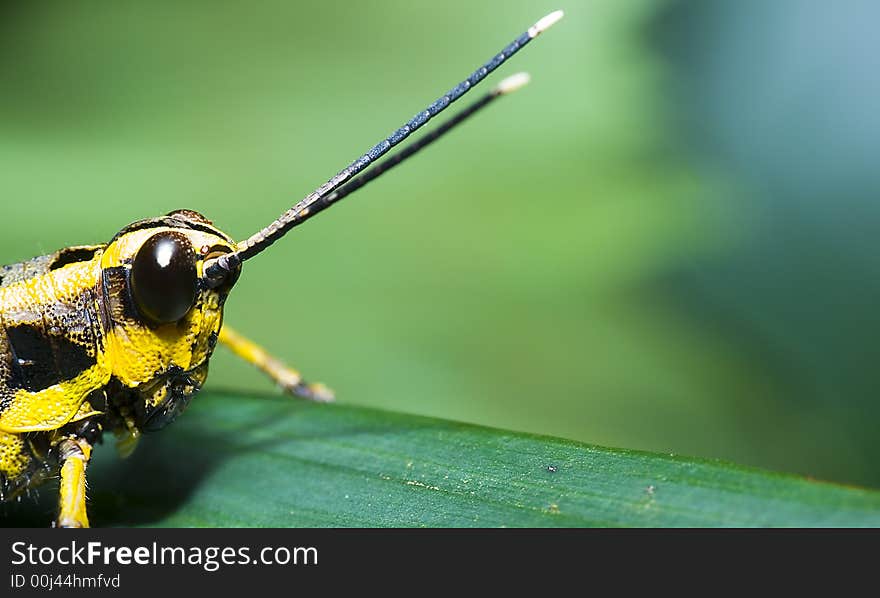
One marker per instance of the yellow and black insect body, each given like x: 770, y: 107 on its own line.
x: 117, y: 337
x: 108, y: 337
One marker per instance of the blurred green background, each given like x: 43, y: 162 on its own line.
x: 667, y: 241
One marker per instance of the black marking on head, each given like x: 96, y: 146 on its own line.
x: 40, y: 360
x: 72, y: 255
x: 179, y: 219
x: 116, y: 297
x: 190, y: 215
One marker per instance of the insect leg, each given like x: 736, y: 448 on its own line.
x: 75, y: 454
x: 286, y: 377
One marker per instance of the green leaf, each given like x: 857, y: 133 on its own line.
x: 236, y: 460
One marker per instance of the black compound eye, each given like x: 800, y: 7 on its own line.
x: 163, y: 277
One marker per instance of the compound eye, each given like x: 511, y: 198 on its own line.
x: 164, y: 278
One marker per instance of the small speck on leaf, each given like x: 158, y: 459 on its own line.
x: 421, y: 485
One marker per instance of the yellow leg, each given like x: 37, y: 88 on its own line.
x: 75, y: 454
x: 288, y: 378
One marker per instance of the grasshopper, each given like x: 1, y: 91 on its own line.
x: 117, y: 337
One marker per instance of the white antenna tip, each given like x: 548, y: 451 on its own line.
x: 545, y: 23
x: 512, y: 83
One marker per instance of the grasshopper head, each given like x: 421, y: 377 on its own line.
x: 161, y: 318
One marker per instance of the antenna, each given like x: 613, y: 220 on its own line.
x: 217, y: 269
x: 508, y: 85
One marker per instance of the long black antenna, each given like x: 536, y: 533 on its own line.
x: 508, y: 85
x: 219, y: 267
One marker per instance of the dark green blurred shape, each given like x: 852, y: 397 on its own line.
x: 577, y: 261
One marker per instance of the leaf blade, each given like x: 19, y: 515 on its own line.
x: 247, y: 461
